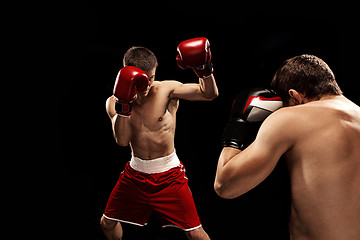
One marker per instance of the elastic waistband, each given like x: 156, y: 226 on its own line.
x: 157, y: 165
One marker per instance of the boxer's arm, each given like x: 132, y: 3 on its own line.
x: 240, y: 171
x: 205, y: 90
x: 120, y: 125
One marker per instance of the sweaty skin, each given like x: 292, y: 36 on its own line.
x: 320, y: 141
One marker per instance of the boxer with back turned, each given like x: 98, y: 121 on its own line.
x: 318, y: 133
x: 143, y: 115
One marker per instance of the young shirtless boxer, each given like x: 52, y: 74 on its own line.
x: 318, y: 133
x: 143, y: 115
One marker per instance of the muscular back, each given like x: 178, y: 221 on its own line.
x: 153, y: 123
x: 324, y: 166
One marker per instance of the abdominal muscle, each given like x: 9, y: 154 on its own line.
x: 154, y: 139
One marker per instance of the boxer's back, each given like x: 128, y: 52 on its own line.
x: 324, y: 166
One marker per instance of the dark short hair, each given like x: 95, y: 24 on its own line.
x: 306, y: 74
x: 140, y: 57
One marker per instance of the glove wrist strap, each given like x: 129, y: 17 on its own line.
x: 123, y: 109
x: 204, y: 71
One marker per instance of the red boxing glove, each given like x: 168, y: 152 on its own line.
x: 128, y: 81
x: 195, y: 54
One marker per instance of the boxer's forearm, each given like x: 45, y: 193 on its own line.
x: 208, y: 87
x: 120, y: 124
x: 121, y: 130
x: 227, y: 154
x: 222, y: 182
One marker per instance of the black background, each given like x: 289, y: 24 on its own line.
x: 248, y: 43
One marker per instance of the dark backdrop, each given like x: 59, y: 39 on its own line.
x: 248, y: 43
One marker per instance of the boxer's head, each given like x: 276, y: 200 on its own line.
x: 304, y: 76
x: 142, y: 58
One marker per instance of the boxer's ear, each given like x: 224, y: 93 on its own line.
x: 296, y: 98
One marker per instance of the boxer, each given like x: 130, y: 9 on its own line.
x: 318, y: 133
x: 143, y: 114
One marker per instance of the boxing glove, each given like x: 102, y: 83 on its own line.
x: 195, y: 54
x: 128, y: 81
x: 250, y: 108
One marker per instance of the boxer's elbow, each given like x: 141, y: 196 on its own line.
x: 213, y: 95
x: 208, y: 96
x: 122, y: 142
x: 222, y: 189
x: 219, y: 189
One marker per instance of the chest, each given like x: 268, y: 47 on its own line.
x: 156, y: 111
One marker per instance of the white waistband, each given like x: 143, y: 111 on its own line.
x: 156, y: 165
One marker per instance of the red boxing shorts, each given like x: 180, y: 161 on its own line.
x: 159, y: 185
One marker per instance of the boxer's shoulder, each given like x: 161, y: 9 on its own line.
x: 311, y: 118
x: 169, y: 83
x: 165, y: 84
x: 288, y: 123
x: 283, y: 116
x: 298, y: 112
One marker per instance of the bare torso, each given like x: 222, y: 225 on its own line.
x: 153, y: 123
x: 150, y: 129
x: 324, y: 166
